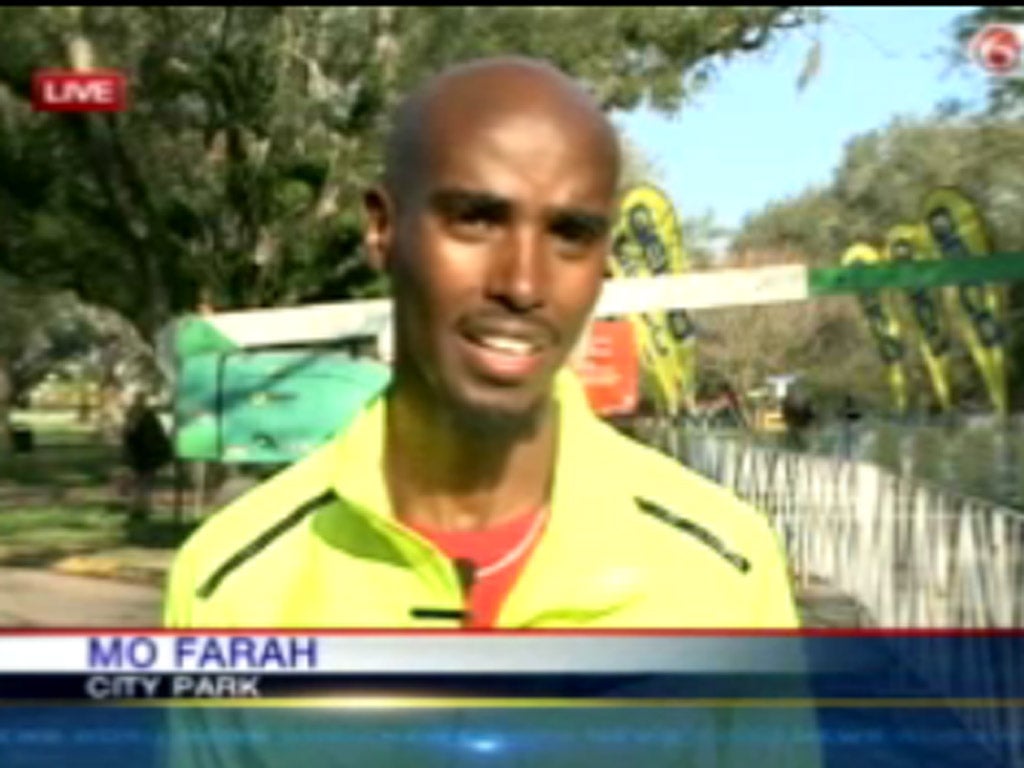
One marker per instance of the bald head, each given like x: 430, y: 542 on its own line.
x: 450, y: 105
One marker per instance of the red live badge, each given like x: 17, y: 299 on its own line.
x: 62, y: 90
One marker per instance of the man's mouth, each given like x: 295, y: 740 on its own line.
x: 505, y: 355
x: 506, y: 344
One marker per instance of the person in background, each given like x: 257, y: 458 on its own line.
x: 851, y: 416
x: 798, y: 415
x: 146, y: 450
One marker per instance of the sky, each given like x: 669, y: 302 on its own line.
x: 750, y: 138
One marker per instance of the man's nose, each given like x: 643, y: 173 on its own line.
x: 519, y: 277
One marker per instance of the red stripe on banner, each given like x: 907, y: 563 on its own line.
x: 292, y: 632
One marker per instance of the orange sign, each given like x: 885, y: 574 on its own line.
x: 610, y: 370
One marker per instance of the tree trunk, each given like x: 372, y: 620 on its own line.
x: 111, y: 408
x: 6, y: 404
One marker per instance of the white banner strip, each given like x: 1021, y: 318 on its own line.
x: 307, y: 324
x: 694, y: 290
x: 383, y: 654
x: 704, y: 290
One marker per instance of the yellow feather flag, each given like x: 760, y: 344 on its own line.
x: 954, y: 229
x: 630, y: 254
x: 905, y: 242
x: 884, y: 324
x: 649, y: 221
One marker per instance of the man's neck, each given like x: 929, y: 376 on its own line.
x: 443, y: 477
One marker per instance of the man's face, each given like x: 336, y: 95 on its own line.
x: 496, y: 259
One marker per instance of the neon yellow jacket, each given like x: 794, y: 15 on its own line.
x: 634, y: 540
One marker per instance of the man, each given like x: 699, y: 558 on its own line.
x: 146, y: 450
x: 480, y: 490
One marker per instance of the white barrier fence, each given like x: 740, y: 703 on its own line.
x: 911, y: 554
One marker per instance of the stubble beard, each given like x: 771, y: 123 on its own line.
x: 477, y: 421
x: 481, y: 421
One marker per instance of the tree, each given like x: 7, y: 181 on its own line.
x: 43, y: 332
x: 881, y: 181
x: 809, y: 227
x: 704, y: 239
x: 824, y: 341
x: 235, y: 177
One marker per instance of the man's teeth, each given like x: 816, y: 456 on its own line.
x: 509, y: 346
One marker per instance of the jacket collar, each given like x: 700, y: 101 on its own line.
x: 576, y: 569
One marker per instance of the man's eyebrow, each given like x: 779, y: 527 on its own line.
x: 454, y: 200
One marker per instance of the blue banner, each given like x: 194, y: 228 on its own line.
x: 861, y: 700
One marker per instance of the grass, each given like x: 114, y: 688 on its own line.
x: 69, y: 466
x: 41, y: 534
x: 68, y: 496
x: 21, y: 522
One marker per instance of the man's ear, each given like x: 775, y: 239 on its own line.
x: 380, y: 227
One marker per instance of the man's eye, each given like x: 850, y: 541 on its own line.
x: 576, y: 232
x: 474, y: 218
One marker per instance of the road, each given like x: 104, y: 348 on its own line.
x: 32, y: 598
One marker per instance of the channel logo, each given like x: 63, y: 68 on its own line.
x: 999, y: 49
x: 62, y: 90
